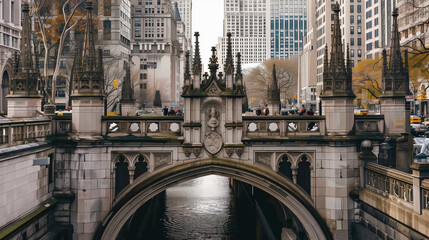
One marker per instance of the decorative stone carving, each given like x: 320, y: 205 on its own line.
x: 263, y: 158
x: 213, y: 143
x: 174, y: 127
x: 161, y: 159
x: 187, y: 151
x: 229, y: 151
x: 196, y: 151
x: 239, y: 151
x: 213, y: 121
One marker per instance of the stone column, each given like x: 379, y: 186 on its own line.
x: 420, y: 172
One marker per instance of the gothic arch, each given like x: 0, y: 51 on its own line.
x: 141, y: 165
x: 148, y: 186
x: 285, y: 165
x: 309, y: 159
x: 136, y: 158
x: 117, y: 160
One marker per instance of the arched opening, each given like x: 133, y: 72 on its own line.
x: 122, y: 176
x: 285, y: 167
x: 150, y: 185
x: 141, y: 166
x: 4, y: 92
x: 304, y: 177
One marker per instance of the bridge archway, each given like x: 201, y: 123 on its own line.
x: 149, y: 185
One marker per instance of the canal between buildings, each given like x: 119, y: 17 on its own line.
x: 202, y: 208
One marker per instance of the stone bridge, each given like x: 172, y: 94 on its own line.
x: 83, y: 176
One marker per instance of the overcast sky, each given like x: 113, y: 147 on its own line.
x: 207, y: 18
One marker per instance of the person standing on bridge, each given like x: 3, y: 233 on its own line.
x: 165, y: 111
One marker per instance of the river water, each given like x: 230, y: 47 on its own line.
x: 202, y: 208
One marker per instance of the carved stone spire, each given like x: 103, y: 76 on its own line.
x: 395, y: 79
x: 229, y: 62
x: 127, y: 94
x: 337, y: 79
x: 213, y: 66
x: 273, y: 87
x: 239, y: 74
x: 89, y: 72
x: 197, y: 68
x: 395, y: 48
x: 337, y: 55
x: 187, y: 74
x: 25, y: 77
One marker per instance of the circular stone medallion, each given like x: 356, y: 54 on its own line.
x: 213, y: 143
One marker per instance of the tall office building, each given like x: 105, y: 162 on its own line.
x: 378, y: 26
x: 413, y: 23
x: 247, y: 21
x: 10, y: 29
x: 185, y: 10
x: 155, y: 51
x: 288, y: 26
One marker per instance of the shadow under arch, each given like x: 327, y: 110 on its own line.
x: 149, y: 185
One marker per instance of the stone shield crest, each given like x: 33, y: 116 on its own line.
x: 213, y: 143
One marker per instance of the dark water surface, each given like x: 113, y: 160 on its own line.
x: 202, y: 208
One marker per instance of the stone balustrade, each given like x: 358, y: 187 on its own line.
x: 23, y: 131
x: 143, y: 126
x: 283, y: 126
x: 369, y: 124
x: 397, y: 186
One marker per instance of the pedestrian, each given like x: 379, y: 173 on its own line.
x: 267, y: 110
x: 258, y: 111
x: 165, y: 111
x: 171, y: 112
x: 310, y: 112
x: 302, y: 111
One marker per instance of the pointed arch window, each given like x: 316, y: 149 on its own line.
x: 303, y: 178
x: 285, y: 167
x: 141, y: 167
x: 122, y: 176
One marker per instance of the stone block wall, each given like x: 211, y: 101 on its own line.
x: 22, y: 185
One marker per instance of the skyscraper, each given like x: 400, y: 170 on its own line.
x: 155, y: 51
x: 247, y: 21
x: 288, y: 26
x: 378, y: 26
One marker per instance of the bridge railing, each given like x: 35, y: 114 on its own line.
x: 142, y: 126
x: 389, y: 182
x: 369, y: 124
x: 18, y: 132
x: 283, y: 126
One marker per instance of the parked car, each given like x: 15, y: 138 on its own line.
x: 417, y: 145
x: 418, y: 129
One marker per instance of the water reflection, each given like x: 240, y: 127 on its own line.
x: 202, y: 208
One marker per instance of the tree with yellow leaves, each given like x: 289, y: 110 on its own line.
x: 367, y: 78
x: 54, y: 21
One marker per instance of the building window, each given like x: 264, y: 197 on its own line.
x: 107, y: 30
x: 376, y: 22
x: 352, y: 8
x: 359, y: 42
x: 359, y: 19
x: 352, y: 41
x: 359, y: 8
x: 359, y: 30
x: 376, y: 33
x: 359, y: 53
x: 352, y: 19
x: 352, y: 53
x: 63, y: 64
x: 352, y: 30
x: 369, y: 47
